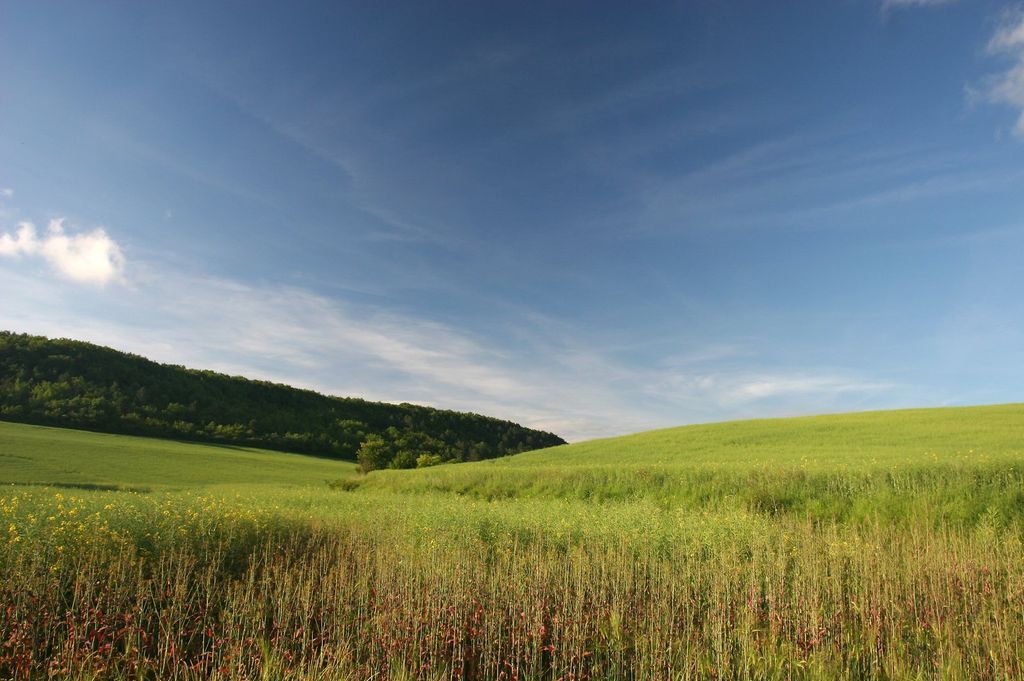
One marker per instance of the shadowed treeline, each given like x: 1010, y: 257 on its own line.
x: 79, y: 385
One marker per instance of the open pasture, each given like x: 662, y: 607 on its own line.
x: 885, y: 545
x: 57, y: 456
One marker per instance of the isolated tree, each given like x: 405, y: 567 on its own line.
x: 374, y: 453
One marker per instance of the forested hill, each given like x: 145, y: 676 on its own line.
x: 81, y: 385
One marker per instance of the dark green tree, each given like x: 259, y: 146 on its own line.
x: 374, y: 453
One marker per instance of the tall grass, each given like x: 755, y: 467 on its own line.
x: 858, y: 547
x: 956, y: 494
x: 263, y: 593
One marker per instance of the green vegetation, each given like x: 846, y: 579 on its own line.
x: 79, y: 385
x: 867, y: 546
x: 946, y: 465
x: 39, y: 455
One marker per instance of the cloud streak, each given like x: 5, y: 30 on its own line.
x: 293, y: 335
x: 1008, y: 87
x: 764, y: 387
x: 889, y: 4
x: 91, y: 258
x: 296, y: 336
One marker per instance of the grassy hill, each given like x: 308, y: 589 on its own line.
x: 40, y: 455
x: 885, y: 545
x: 950, y: 464
x: 860, y: 440
x: 72, y: 384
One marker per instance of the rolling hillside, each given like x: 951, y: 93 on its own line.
x: 41, y: 455
x: 74, y: 384
x: 860, y: 546
x: 862, y: 440
x: 953, y: 464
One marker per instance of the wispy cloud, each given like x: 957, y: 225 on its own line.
x: 940, y: 184
x: 793, y: 180
x: 6, y: 192
x: 715, y: 392
x: 349, y: 160
x: 296, y: 336
x: 764, y: 387
x: 889, y: 4
x: 552, y: 380
x: 92, y: 258
x: 1007, y: 87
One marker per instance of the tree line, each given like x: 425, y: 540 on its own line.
x: 75, y: 384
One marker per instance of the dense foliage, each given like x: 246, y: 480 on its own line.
x: 81, y: 385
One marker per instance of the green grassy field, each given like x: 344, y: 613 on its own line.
x: 876, y: 545
x: 945, y: 465
x: 40, y: 455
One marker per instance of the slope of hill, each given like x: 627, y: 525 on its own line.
x: 40, y: 455
x: 952, y: 464
x: 863, y: 439
x: 858, y: 546
x: 80, y: 385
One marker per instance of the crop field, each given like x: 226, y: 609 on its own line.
x: 885, y: 545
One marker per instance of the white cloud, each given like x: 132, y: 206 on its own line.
x: 550, y: 379
x: 1010, y: 34
x: 763, y: 387
x: 92, y: 258
x: 295, y: 336
x: 886, y: 4
x: 24, y: 241
x: 751, y: 391
x: 6, y: 192
x: 1008, y: 87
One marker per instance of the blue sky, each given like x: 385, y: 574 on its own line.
x: 590, y: 218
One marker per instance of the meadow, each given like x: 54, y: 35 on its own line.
x: 880, y: 545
